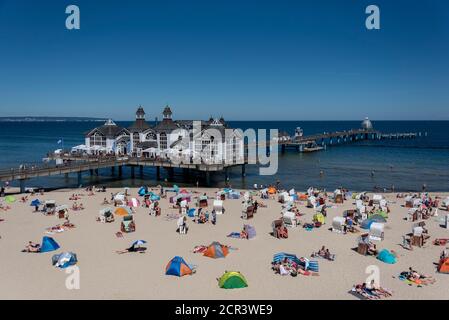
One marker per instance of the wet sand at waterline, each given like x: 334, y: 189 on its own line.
x: 104, y: 274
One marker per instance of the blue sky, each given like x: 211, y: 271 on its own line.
x: 247, y: 59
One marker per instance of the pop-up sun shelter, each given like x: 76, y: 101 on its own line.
x: 216, y: 250
x: 232, y: 280
x: 49, y: 244
x: 178, y: 267
x: 64, y: 260
x: 386, y: 256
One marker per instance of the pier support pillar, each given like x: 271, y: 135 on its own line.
x: 141, y: 171
x: 132, y: 172
x: 112, y: 170
x: 22, y: 185
x: 158, y: 173
x: 120, y: 170
x: 96, y: 172
x: 208, y: 178
x: 79, y: 178
x: 171, y: 172
x: 243, y: 170
x: 283, y: 148
x: 66, y: 176
x: 185, y: 172
x: 226, y: 174
x: 91, y: 172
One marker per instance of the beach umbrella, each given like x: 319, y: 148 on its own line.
x: 10, y: 199
x: 138, y: 243
x: 35, y: 202
x: 122, y: 211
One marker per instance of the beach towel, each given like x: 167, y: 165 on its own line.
x: 235, y: 235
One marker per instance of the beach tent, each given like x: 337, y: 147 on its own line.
x: 49, y: 244
x: 366, y: 224
x: 35, y: 202
x: 10, y: 199
x: 64, y: 260
x: 216, y: 250
x: 232, y: 280
x: 443, y: 265
x: 177, y: 267
x: 250, y: 230
x: 122, y: 211
x: 279, y: 257
x: 386, y: 256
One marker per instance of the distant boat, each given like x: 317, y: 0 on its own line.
x: 312, y: 147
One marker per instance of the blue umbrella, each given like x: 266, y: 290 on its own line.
x: 138, y: 243
x: 35, y: 202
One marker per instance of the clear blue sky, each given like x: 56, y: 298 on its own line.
x: 244, y: 59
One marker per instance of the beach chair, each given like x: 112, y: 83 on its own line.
x: 128, y: 225
x: 218, y: 206
x: 289, y: 219
x: 338, y: 224
x: 377, y: 198
x: 279, y: 229
x: 338, y: 198
x: 202, y: 202
x: 376, y: 231
x: 248, y: 211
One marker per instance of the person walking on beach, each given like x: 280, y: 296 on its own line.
x: 213, y: 217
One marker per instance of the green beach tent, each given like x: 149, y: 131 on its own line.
x: 10, y: 199
x: 232, y: 280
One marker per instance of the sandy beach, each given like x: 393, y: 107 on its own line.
x: 104, y: 274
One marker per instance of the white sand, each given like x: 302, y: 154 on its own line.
x: 107, y: 275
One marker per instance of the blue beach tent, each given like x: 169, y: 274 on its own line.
x: 49, y: 244
x: 178, y: 267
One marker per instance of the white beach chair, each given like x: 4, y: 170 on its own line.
x: 338, y: 224
x: 289, y: 219
x: 218, y: 206
x: 376, y: 231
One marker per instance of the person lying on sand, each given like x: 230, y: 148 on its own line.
x: 132, y: 249
x: 105, y: 201
x: 323, y: 253
x: 32, y: 247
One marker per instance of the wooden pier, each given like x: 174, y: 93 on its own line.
x: 79, y: 164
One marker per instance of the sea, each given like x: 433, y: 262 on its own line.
x: 400, y: 165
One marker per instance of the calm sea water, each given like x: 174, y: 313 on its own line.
x: 404, y: 164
